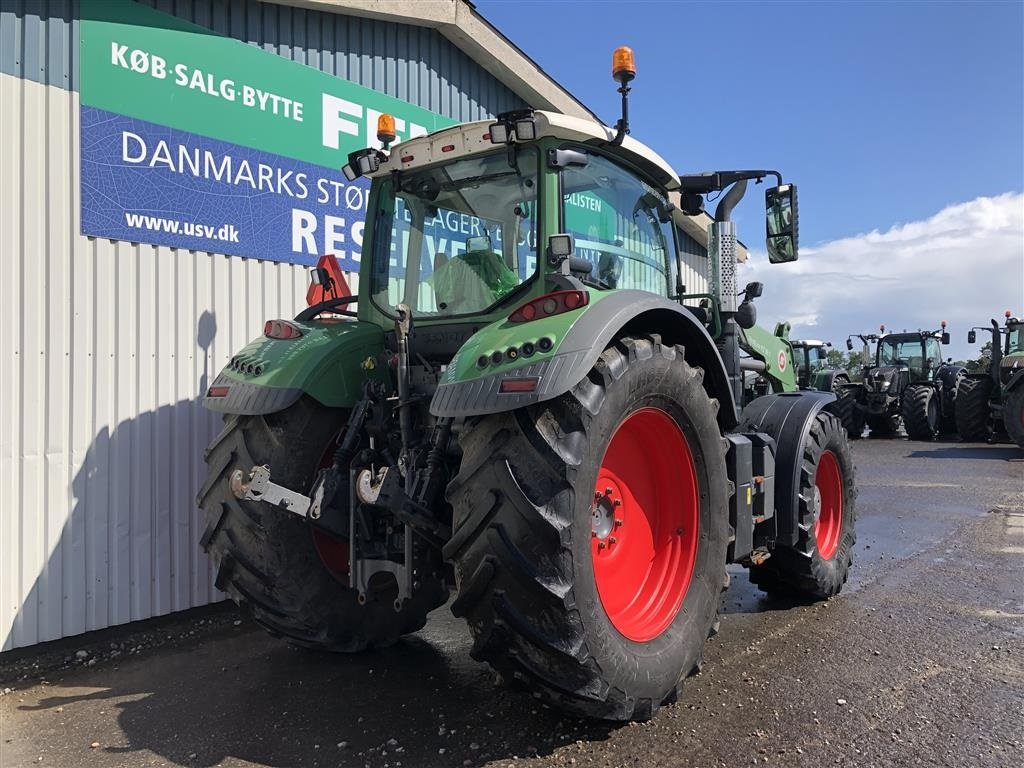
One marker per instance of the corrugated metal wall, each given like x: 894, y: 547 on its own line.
x: 106, y: 345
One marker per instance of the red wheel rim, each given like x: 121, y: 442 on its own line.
x: 333, y: 550
x: 828, y: 484
x: 645, y: 524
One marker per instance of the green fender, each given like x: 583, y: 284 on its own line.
x: 326, y: 363
x: 565, y: 348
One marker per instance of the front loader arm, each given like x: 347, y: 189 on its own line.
x: 775, y: 351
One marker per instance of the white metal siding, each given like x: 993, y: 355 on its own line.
x: 105, y: 346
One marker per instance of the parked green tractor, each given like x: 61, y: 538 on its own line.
x: 908, y: 381
x: 776, y: 364
x: 524, y: 406
x: 813, y: 370
x: 995, y: 398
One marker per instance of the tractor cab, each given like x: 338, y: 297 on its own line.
x: 918, y: 353
x: 811, y: 357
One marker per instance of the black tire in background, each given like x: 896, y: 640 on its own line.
x: 818, y: 566
x: 265, y: 557
x: 973, y: 412
x: 883, y: 425
x: 845, y: 408
x: 1013, y: 414
x: 921, y: 412
x: 524, y: 502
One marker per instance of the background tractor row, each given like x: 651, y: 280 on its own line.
x: 905, y: 380
x: 993, y: 400
x: 528, y: 406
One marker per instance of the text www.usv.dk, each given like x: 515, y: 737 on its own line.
x: 227, y: 232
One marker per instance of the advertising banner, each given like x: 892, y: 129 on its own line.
x: 198, y: 141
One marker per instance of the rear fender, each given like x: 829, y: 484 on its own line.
x: 787, y: 417
x: 1016, y: 381
x: 326, y: 363
x: 823, y: 380
x: 578, y: 338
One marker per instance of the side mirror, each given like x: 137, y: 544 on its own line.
x: 971, y: 337
x: 849, y: 345
x: 753, y: 290
x: 781, y: 225
x: 746, y: 314
x: 945, y: 337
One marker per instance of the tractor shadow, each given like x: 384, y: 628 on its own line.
x: 242, y: 696
x: 960, y: 451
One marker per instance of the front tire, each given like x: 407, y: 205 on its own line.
x: 845, y: 408
x: 973, y: 412
x: 267, y: 559
x: 921, y: 417
x: 546, y: 559
x: 818, y: 566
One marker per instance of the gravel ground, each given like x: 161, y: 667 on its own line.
x: 920, y: 661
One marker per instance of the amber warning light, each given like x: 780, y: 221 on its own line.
x: 623, y: 64
x: 386, y: 129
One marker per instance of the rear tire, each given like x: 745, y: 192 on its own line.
x: 921, y: 412
x: 1013, y: 415
x: 973, y: 412
x: 818, y: 566
x: 265, y: 557
x: 531, y: 573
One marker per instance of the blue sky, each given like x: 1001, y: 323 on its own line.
x: 881, y: 112
x: 901, y: 123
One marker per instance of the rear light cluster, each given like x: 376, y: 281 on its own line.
x: 281, y: 329
x: 528, y: 349
x: 550, y: 304
x: 252, y: 368
x: 218, y: 391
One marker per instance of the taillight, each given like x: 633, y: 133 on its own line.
x: 550, y: 304
x: 218, y: 391
x: 281, y: 329
x: 517, y: 386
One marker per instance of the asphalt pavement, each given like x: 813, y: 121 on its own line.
x: 919, y: 662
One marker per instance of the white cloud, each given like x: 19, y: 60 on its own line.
x: 964, y: 265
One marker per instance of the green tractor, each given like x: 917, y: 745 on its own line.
x: 813, y: 370
x: 774, y: 363
x: 522, y: 407
x: 995, y: 398
x: 907, y: 381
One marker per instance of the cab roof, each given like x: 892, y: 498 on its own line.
x: 471, y: 138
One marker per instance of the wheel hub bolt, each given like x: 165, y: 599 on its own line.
x: 618, y: 523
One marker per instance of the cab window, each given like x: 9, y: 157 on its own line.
x: 619, y: 224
